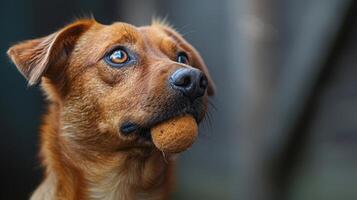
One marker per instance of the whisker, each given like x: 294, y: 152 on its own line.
x: 164, y: 156
x: 208, y: 119
x: 210, y: 103
x: 183, y: 32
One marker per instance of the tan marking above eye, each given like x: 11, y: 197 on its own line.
x: 167, y: 44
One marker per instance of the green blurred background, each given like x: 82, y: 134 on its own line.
x: 285, y: 123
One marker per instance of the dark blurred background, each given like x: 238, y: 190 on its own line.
x: 285, y: 123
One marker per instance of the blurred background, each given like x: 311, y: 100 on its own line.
x: 284, y: 124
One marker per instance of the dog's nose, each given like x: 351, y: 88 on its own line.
x: 190, y: 81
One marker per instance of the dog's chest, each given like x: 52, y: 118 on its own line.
x: 111, y: 187
x: 118, y: 186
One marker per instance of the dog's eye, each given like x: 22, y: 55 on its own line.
x: 119, y: 56
x: 182, y: 58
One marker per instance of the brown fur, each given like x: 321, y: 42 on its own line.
x: 82, y: 150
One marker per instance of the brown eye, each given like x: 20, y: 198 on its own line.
x: 119, y: 57
x: 182, y: 58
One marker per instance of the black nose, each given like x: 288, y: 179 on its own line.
x: 191, y: 82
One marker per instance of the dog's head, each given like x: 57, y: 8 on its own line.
x: 112, y: 83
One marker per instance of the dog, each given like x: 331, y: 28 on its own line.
x: 106, y: 86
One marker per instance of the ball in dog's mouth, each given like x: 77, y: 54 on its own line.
x: 175, y: 135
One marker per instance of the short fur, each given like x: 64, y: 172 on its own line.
x: 84, y: 154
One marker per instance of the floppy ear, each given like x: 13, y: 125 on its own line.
x: 34, y: 57
x: 199, y: 63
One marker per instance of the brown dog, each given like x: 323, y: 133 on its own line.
x: 107, y: 85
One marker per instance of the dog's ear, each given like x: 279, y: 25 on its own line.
x: 198, y: 61
x: 34, y: 57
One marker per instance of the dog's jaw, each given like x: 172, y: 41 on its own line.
x: 118, y: 175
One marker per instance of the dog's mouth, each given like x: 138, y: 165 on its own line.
x: 143, y: 130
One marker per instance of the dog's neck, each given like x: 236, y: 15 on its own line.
x: 70, y: 175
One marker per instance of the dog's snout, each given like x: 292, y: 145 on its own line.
x: 190, y: 81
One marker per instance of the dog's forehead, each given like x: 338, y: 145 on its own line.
x: 124, y: 32
x: 100, y: 39
x: 103, y: 36
x: 115, y: 32
x: 153, y: 32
